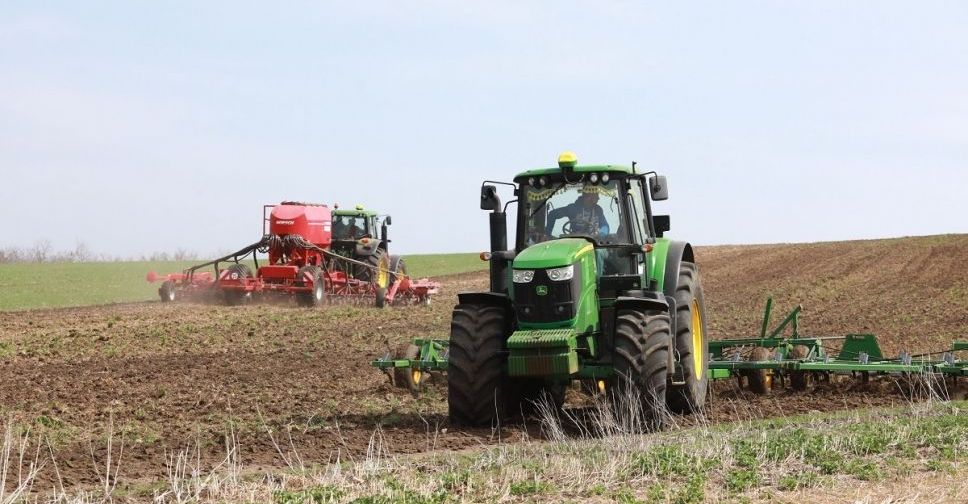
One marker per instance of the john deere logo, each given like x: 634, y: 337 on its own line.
x: 542, y: 290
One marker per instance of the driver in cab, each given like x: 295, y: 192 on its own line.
x: 585, y: 217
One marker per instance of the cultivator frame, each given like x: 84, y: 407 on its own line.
x: 858, y: 355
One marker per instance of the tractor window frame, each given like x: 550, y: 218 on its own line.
x: 637, y: 210
x: 521, y: 220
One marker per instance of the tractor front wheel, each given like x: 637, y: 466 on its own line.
x: 691, y: 344
x: 642, y: 343
x: 478, y: 389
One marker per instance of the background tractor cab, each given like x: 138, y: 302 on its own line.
x: 361, y: 234
x: 591, y: 291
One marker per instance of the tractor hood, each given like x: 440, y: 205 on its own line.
x: 553, y: 254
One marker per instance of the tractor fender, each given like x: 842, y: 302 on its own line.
x: 485, y: 298
x: 675, y: 254
x: 641, y: 303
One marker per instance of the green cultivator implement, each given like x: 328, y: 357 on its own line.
x: 796, y: 360
x: 800, y: 360
x: 592, y: 291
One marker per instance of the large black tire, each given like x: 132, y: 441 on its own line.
x: 642, y: 343
x: 398, y: 268
x: 373, y: 264
x: 478, y: 389
x: 692, y: 345
x: 377, y: 272
x: 315, y: 297
x: 167, y: 292
x: 235, y: 297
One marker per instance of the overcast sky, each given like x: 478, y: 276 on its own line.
x: 138, y: 127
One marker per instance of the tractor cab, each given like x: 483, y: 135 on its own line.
x: 361, y: 235
x: 593, y: 222
x: 359, y: 232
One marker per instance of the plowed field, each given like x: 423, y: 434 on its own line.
x: 170, y: 376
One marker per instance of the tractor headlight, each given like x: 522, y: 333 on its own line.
x: 562, y: 274
x: 523, y: 276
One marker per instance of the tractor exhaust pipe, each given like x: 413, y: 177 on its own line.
x: 499, y: 246
x: 499, y: 238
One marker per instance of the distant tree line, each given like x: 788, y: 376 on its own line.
x: 43, y: 251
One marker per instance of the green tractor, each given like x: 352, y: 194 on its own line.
x: 361, y: 234
x: 591, y: 291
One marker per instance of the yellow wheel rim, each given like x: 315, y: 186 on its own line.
x: 697, y: 336
x: 417, y: 375
x: 383, y: 276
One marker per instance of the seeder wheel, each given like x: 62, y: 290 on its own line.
x: 236, y: 297
x: 167, y: 291
x: 315, y: 297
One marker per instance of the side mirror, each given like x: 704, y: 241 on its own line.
x: 659, y: 188
x: 662, y: 224
x: 490, y: 199
x: 388, y: 221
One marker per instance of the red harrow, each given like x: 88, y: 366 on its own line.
x: 301, y: 263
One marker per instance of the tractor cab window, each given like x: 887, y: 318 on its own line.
x: 349, y: 227
x: 582, y: 209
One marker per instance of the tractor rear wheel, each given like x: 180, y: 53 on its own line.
x: 373, y: 265
x: 398, y: 269
x: 377, y: 273
x: 478, y: 389
x: 408, y: 378
x: 236, y: 297
x: 691, y: 344
x: 642, y: 343
x: 317, y: 295
x: 167, y: 291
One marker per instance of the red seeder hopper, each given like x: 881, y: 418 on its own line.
x: 301, y: 263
